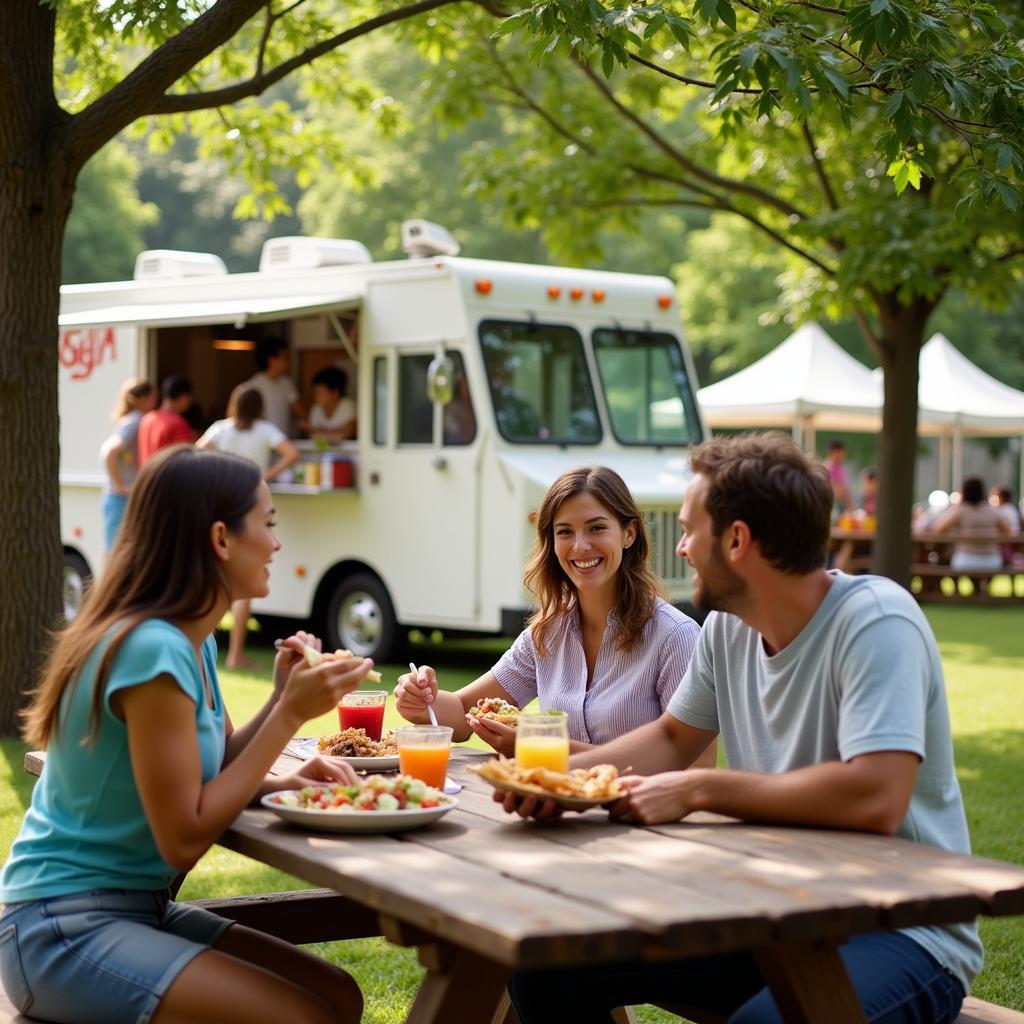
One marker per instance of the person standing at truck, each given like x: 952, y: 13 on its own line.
x: 245, y: 433
x: 602, y: 646
x: 333, y: 414
x: 120, y: 452
x: 272, y: 381
x: 167, y: 425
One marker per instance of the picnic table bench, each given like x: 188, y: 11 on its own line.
x: 480, y: 894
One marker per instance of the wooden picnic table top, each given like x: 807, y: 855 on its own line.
x: 951, y: 536
x: 498, y: 893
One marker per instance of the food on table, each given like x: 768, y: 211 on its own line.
x: 496, y: 709
x: 356, y: 743
x: 374, y: 793
x: 315, y: 657
x: 597, y: 783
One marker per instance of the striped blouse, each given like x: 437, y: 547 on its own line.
x: 628, y: 689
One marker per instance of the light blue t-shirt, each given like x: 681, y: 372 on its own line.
x: 85, y: 828
x: 863, y: 676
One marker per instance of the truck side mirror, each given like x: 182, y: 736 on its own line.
x: 441, y: 379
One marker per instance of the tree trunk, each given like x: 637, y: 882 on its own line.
x: 35, y: 198
x: 899, y: 349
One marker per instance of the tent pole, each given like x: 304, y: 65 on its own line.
x: 958, y: 457
x: 944, y: 457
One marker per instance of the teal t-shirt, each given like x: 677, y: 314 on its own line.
x: 85, y: 828
x: 863, y: 676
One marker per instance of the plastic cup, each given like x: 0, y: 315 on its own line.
x: 423, y: 752
x: 542, y: 741
x: 363, y: 709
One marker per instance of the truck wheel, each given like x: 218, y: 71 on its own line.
x: 361, y: 618
x: 77, y: 578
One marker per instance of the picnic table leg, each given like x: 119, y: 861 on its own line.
x: 459, y: 986
x: 809, y: 983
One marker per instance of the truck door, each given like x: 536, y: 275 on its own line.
x: 428, y: 489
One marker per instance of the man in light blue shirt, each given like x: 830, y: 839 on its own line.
x: 828, y: 693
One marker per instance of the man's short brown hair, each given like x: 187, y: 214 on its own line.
x: 783, y: 495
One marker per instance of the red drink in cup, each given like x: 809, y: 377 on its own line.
x: 363, y: 709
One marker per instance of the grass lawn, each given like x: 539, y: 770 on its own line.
x: 983, y: 655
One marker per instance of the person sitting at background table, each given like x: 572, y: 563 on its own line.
x: 145, y: 770
x: 973, y: 514
x: 246, y: 433
x: 333, y: 414
x: 828, y: 694
x: 602, y: 646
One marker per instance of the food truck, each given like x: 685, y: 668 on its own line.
x: 477, y: 382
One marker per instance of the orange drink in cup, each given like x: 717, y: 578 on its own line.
x: 423, y: 752
x: 542, y: 741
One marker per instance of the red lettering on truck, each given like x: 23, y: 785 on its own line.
x: 82, y: 351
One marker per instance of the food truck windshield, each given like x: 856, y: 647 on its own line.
x: 543, y: 392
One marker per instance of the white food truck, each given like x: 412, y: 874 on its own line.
x: 477, y: 383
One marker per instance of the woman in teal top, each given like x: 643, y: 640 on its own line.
x: 144, y: 770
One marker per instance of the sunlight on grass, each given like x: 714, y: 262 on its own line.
x: 982, y: 652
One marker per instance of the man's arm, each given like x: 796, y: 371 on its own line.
x: 663, y: 745
x: 870, y: 793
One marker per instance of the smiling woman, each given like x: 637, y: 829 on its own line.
x: 603, y: 646
x: 144, y: 770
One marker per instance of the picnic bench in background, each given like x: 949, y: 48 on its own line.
x: 930, y: 566
x: 480, y: 894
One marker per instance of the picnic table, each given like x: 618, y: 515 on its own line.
x: 931, y: 555
x: 481, y: 893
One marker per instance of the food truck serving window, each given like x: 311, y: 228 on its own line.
x: 646, y: 387
x: 539, y: 383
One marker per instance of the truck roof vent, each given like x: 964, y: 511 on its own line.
x: 423, y: 238
x: 170, y: 263
x: 298, y: 252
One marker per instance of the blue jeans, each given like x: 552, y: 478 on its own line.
x: 897, y: 980
x: 112, y: 506
x: 102, y: 957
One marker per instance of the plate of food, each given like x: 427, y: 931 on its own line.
x: 356, y: 747
x: 374, y: 804
x: 495, y: 709
x: 577, y: 790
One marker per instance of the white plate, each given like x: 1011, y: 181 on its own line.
x: 359, y: 821
x: 305, y: 747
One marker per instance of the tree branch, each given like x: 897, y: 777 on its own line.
x: 819, y: 168
x: 190, y: 102
x: 779, y: 238
x: 728, y: 184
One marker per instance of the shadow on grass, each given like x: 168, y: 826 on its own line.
x: 990, y: 766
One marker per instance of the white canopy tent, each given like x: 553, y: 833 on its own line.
x: 958, y: 399
x: 807, y: 383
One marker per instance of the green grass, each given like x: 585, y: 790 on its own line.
x: 982, y: 652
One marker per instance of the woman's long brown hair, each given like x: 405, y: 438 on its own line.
x: 638, y: 587
x: 161, y: 567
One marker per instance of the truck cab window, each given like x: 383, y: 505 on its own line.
x: 416, y: 411
x: 539, y: 383
x: 647, y: 390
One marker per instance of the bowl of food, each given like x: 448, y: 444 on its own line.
x: 375, y: 804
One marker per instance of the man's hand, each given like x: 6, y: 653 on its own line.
x: 655, y: 799
x: 529, y: 806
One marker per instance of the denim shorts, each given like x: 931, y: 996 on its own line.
x: 102, y: 957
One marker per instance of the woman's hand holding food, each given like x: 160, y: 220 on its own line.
x: 500, y: 736
x: 311, y: 692
x: 414, y: 692
x: 319, y: 770
x: 289, y: 654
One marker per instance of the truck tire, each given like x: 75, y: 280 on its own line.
x: 361, y: 618
x: 77, y: 577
